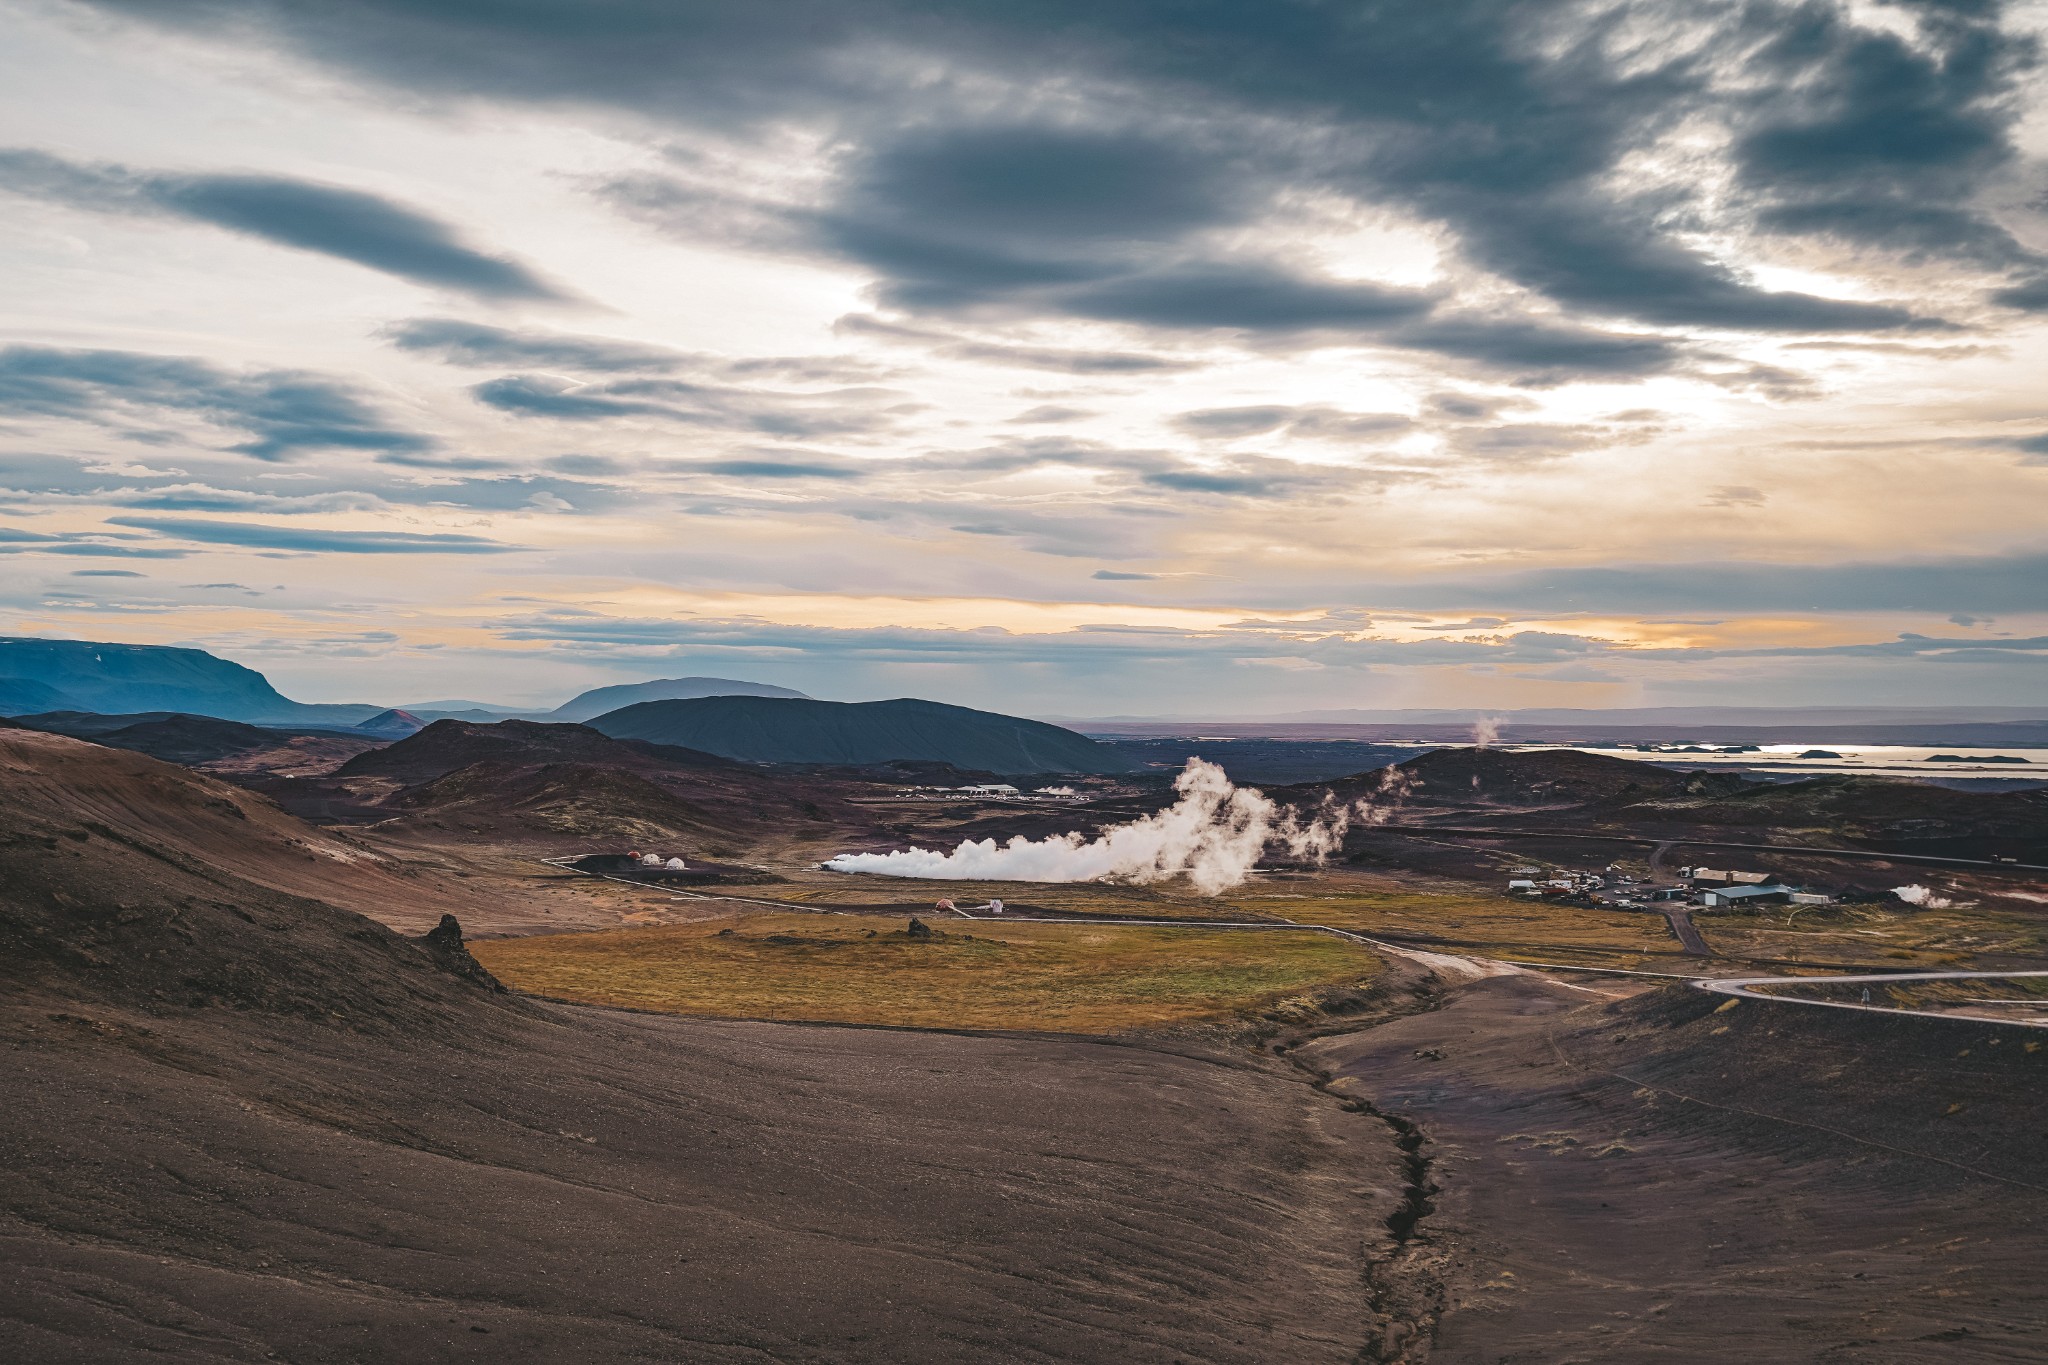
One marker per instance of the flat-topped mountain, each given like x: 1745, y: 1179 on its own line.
x: 787, y: 730
x: 598, y: 700
x: 39, y: 675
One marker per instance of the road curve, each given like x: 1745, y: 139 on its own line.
x: 1742, y: 988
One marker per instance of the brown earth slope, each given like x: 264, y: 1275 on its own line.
x: 1663, y: 1178
x: 243, y: 1124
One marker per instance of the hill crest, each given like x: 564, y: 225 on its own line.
x: 801, y: 730
x: 600, y: 700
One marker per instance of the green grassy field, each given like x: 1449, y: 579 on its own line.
x: 847, y: 969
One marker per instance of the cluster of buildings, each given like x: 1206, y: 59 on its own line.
x: 994, y: 791
x: 653, y: 861
x: 1706, y: 888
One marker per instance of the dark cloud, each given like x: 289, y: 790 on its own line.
x: 1064, y: 360
x: 250, y: 535
x: 777, y: 469
x: 89, y: 544
x: 1039, y: 191
x: 512, y: 493
x: 329, y: 219
x: 1251, y: 296
x: 1113, y: 576
x: 1248, y: 477
x: 837, y: 412
x: 1318, y: 421
x: 106, y: 573
x: 1515, y: 124
x: 482, y: 346
x: 1050, y: 413
x: 1228, y: 424
x: 1980, y: 585
x: 1538, y: 353
x: 1881, y: 138
x: 486, y: 347
x: 1525, y: 442
x: 284, y: 412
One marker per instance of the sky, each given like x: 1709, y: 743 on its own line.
x: 1234, y: 357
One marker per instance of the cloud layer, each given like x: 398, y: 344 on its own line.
x: 1039, y: 353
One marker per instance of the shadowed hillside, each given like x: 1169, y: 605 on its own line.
x: 1539, y: 777
x: 189, y: 740
x: 599, y: 700
x: 447, y: 745
x: 777, y: 730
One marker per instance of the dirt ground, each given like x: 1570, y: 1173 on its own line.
x: 1752, y: 1185
x: 243, y: 1122
x: 595, y: 1186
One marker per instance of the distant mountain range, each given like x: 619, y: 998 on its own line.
x: 38, y: 675
x: 791, y: 730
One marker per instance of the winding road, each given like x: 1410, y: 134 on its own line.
x: 1744, y: 988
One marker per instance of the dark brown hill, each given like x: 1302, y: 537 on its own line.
x: 1874, y: 812
x: 585, y: 800
x: 128, y: 880
x: 526, y: 782
x: 446, y: 745
x: 176, y: 737
x: 1526, y: 778
x: 109, y: 800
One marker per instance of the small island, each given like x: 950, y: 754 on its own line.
x: 1964, y: 758
x: 1827, y: 753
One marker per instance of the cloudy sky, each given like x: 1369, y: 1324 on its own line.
x: 1230, y: 357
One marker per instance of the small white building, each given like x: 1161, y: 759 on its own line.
x: 1723, y: 898
x: 991, y: 789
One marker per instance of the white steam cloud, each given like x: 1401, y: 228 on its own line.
x: 1923, y: 897
x: 1486, y: 731
x: 1213, y: 834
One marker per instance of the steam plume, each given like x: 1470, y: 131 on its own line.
x: 1486, y: 731
x: 1213, y: 834
x: 1924, y: 898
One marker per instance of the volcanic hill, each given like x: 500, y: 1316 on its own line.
x: 1527, y: 778
x: 598, y: 700
x: 785, y: 730
x: 192, y: 741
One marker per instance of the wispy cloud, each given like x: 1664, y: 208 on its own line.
x: 351, y: 225
x: 252, y: 535
x: 283, y: 412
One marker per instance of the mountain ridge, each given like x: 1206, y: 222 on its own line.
x: 802, y: 730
